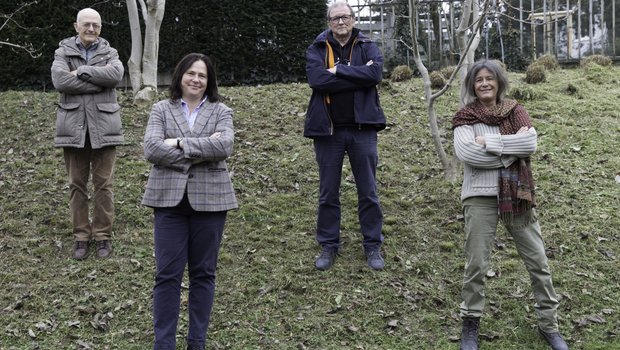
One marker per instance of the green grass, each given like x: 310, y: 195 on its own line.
x: 268, y: 294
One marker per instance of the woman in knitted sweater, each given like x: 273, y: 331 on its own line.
x: 494, y: 139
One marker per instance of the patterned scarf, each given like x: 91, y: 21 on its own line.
x: 516, y: 183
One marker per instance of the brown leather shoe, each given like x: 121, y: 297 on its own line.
x: 80, y: 250
x: 104, y: 249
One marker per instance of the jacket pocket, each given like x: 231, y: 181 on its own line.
x: 110, y: 114
x: 68, y: 119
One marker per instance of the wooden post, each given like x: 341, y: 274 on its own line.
x: 429, y: 48
x: 603, y: 26
x: 569, y: 34
x: 533, y: 33
x: 544, y: 28
x: 579, y: 29
x: 521, y: 26
x: 591, y: 29
x: 613, y: 28
x: 555, y: 29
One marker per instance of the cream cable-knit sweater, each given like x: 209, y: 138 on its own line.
x: 482, y: 163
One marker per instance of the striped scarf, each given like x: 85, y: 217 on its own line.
x: 516, y: 183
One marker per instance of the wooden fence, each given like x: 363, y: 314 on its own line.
x: 568, y: 29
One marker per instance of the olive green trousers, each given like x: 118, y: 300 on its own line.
x: 481, y: 219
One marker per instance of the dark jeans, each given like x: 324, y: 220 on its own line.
x: 361, y: 147
x: 184, y: 236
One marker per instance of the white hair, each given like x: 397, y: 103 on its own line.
x: 87, y: 11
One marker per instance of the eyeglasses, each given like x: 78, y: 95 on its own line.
x: 345, y: 19
x: 88, y: 25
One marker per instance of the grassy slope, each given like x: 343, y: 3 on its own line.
x: 269, y: 296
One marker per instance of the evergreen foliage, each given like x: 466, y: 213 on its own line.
x: 250, y: 42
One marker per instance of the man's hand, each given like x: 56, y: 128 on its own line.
x: 171, y: 142
x: 480, y: 140
x: 332, y: 70
x: 369, y: 63
x: 74, y: 72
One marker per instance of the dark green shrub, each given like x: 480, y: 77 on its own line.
x: 501, y: 64
x: 401, y: 73
x: 535, y: 73
x: 572, y: 89
x: 601, y: 60
x: 597, y: 73
x: 524, y: 93
x: 437, y: 80
x: 447, y: 71
x: 247, y: 44
x: 548, y: 61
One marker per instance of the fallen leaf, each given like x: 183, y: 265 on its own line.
x: 82, y: 345
x: 338, y: 298
x: 597, y: 319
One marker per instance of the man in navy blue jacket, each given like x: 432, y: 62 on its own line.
x: 343, y: 117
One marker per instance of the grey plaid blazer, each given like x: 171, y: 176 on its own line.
x: 175, y: 171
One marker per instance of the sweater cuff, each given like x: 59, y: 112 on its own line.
x: 508, y: 160
x: 494, y: 144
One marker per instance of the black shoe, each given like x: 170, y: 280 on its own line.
x: 374, y: 259
x: 469, y: 334
x: 80, y: 250
x: 326, y: 258
x: 554, y: 340
x: 195, y: 347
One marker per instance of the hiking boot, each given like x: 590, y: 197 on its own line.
x: 104, y: 249
x: 469, y: 334
x: 554, y: 339
x: 326, y: 258
x: 80, y: 250
x: 374, y: 259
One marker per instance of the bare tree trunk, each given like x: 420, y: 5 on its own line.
x: 449, y: 164
x: 155, y: 10
x: 468, y: 44
x: 134, y: 64
x: 142, y: 63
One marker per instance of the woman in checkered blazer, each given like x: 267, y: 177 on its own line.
x: 188, y: 139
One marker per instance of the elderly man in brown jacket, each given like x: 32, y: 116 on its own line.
x: 85, y: 71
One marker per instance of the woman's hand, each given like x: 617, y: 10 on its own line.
x: 523, y: 129
x: 480, y: 140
